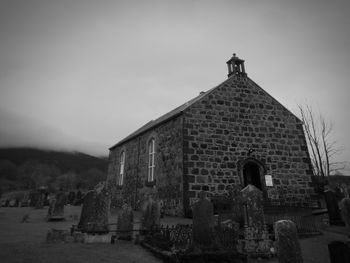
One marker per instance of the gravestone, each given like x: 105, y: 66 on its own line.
x: 150, y: 214
x: 39, y: 204
x: 94, y: 214
x: 71, y: 198
x: 235, y: 196
x: 287, y: 243
x: 125, y: 223
x: 339, y: 252
x: 332, y: 207
x: 57, y: 236
x: 345, y: 212
x: 203, y: 222
x: 56, y: 208
x: 78, y: 198
x: 256, y: 241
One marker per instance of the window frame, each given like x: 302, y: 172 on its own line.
x: 121, y: 174
x: 151, y: 149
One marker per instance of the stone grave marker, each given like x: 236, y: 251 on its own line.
x: 256, y: 241
x: 58, y: 236
x: 339, y: 252
x: 345, y: 212
x: 203, y: 221
x: 125, y: 223
x: 287, y: 243
x: 56, y: 208
x: 332, y: 207
x: 39, y: 202
x: 94, y: 214
x: 236, y: 199
x: 71, y: 198
x: 150, y: 214
x: 78, y: 198
x: 347, y: 192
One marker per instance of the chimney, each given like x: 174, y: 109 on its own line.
x: 236, y: 66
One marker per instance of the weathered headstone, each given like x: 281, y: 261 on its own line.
x: 57, y: 236
x: 236, y: 200
x: 203, y: 221
x: 287, y: 243
x: 332, y: 207
x: 94, y: 214
x: 78, y: 198
x: 339, y: 252
x: 56, y: 208
x: 71, y: 198
x: 39, y: 202
x: 347, y: 192
x: 345, y: 212
x: 150, y: 214
x: 339, y: 192
x: 256, y: 241
x: 125, y: 223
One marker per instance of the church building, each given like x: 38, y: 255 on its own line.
x: 231, y: 135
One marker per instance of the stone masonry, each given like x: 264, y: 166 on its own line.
x: 168, y: 183
x: 237, y: 116
x: 206, y: 144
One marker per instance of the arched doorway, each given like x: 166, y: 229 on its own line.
x: 251, y: 174
x: 252, y: 171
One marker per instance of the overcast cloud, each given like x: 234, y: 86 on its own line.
x: 82, y: 75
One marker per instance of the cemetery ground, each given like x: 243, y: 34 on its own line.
x: 25, y: 242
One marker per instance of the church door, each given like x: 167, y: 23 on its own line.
x: 252, y: 174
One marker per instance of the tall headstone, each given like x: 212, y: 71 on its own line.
x: 256, y: 241
x: 345, y: 212
x: 78, y: 198
x: 203, y: 221
x: 150, y: 214
x: 94, y: 214
x: 287, y: 243
x: 236, y: 199
x: 125, y: 223
x: 71, y: 198
x: 347, y: 192
x: 339, y: 252
x: 56, y: 208
x: 40, y: 201
x: 332, y: 207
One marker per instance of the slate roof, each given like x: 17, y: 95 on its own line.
x: 166, y: 117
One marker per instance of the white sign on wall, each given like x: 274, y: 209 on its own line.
x: 268, y: 180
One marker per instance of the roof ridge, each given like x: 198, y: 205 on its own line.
x: 169, y: 115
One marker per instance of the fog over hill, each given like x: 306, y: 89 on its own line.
x: 29, y: 168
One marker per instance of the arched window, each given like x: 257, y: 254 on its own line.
x: 151, y: 157
x: 121, y: 171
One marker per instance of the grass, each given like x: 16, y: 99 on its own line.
x: 25, y: 242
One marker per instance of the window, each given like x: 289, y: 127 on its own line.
x: 121, y: 171
x: 151, y: 155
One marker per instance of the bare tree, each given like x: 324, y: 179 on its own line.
x: 322, y: 147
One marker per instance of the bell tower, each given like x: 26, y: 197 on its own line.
x: 235, y: 66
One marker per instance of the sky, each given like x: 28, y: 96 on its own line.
x: 82, y: 75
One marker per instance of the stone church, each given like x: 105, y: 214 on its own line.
x: 231, y: 135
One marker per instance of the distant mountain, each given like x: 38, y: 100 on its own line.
x: 65, y: 161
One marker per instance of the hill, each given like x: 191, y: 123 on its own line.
x: 64, y: 161
x: 28, y: 168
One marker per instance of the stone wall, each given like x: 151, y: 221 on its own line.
x: 168, y: 167
x: 237, y: 116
